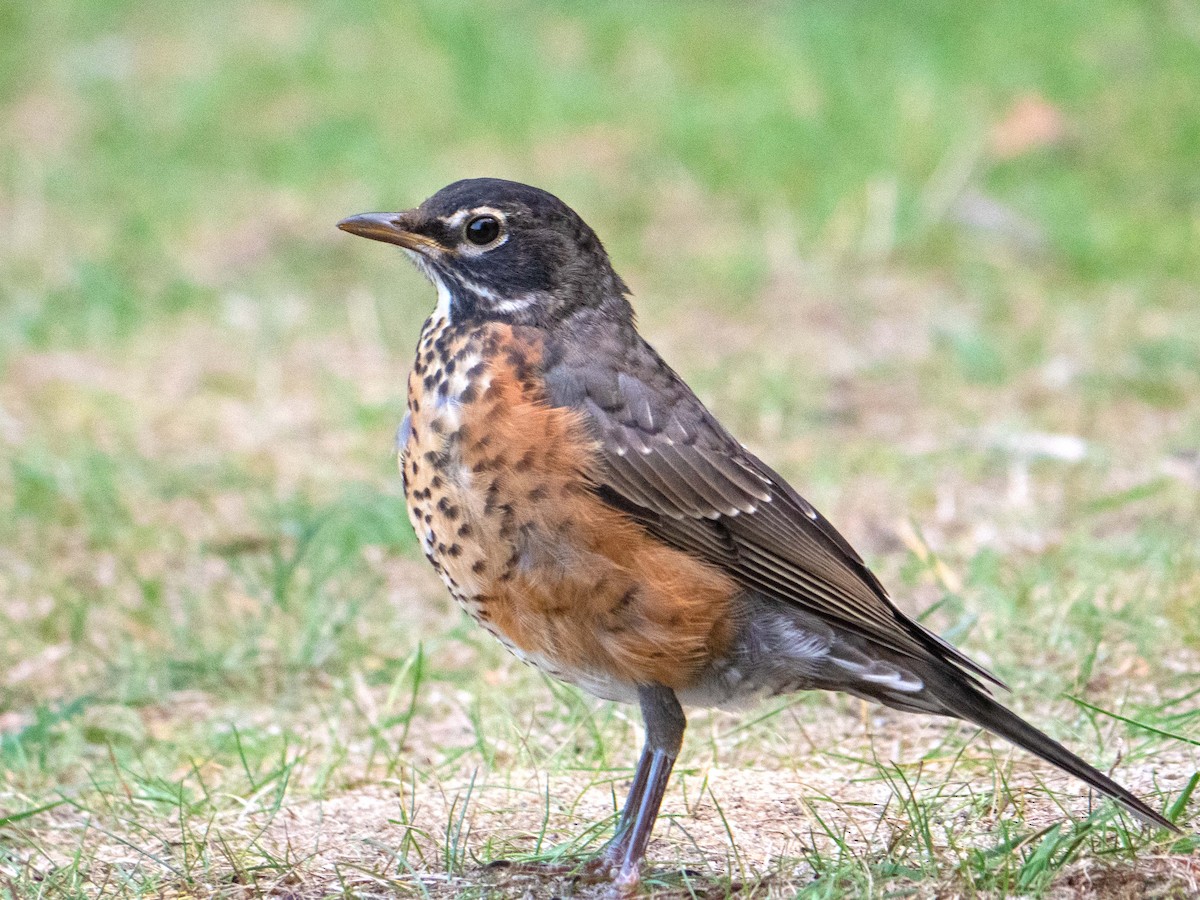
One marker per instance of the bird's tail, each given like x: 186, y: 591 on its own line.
x: 966, y: 701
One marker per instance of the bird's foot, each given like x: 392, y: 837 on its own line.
x: 613, y: 863
x: 530, y: 867
x: 624, y: 878
x: 625, y: 882
x: 596, y: 869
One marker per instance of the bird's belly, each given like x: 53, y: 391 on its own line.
x: 561, y: 580
x: 498, y: 492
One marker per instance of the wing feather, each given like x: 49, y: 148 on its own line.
x: 665, y: 460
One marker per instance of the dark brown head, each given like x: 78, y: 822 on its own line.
x: 498, y: 249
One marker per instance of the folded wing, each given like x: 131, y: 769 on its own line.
x: 667, y: 462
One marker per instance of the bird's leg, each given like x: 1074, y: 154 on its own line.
x: 613, y: 850
x: 665, y: 722
x: 622, y: 855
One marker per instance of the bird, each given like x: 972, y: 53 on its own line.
x: 584, y: 506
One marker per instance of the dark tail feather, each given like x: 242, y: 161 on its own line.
x: 969, y: 703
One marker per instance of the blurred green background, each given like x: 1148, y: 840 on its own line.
x: 142, y: 136
x: 938, y: 261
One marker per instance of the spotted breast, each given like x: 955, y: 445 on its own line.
x: 499, y: 493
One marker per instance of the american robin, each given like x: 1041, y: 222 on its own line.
x: 584, y: 506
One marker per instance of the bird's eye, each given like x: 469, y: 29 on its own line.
x: 482, y: 230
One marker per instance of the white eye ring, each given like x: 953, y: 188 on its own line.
x: 482, y: 230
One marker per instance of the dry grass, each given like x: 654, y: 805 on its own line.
x: 771, y: 830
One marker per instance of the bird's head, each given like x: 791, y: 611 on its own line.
x: 498, y: 249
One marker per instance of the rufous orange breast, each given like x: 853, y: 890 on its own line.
x: 499, y: 493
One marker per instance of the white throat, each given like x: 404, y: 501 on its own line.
x: 444, y: 297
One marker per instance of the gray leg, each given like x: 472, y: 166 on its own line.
x: 614, y: 850
x: 665, y: 723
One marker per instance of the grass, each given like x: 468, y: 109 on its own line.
x: 936, y: 264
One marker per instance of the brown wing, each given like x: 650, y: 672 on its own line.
x: 667, y: 462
